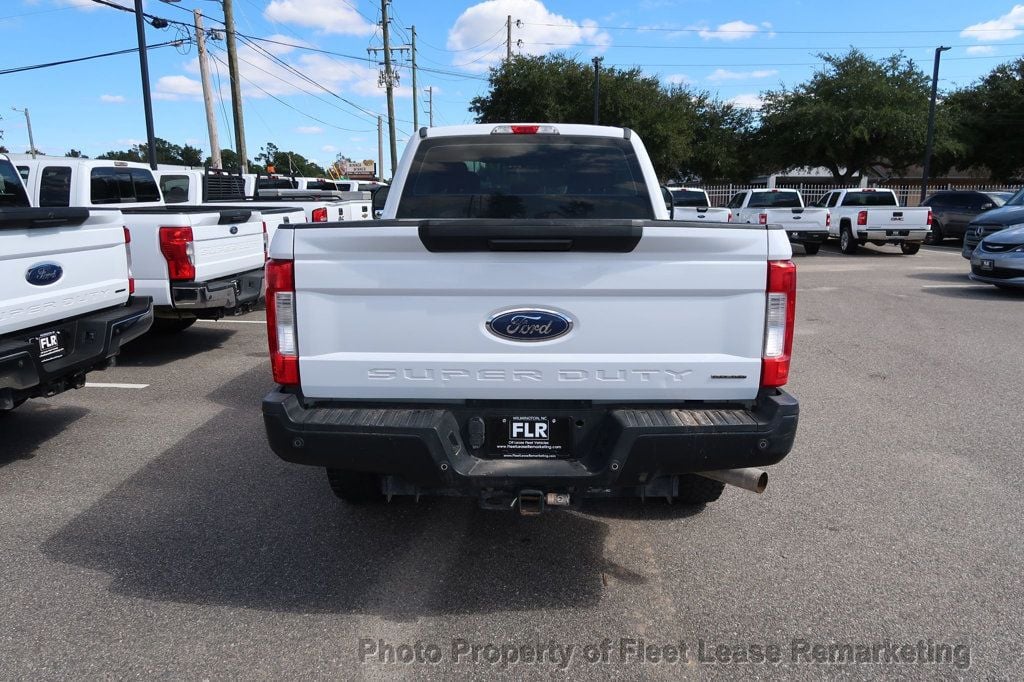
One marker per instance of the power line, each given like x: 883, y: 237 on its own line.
x: 755, y: 47
x: 765, y: 30
x: 130, y: 50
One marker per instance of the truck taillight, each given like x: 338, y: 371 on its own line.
x: 266, y: 242
x: 862, y: 217
x: 929, y: 217
x: 281, y: 327
x: 320, y: 215
x: 729, y: 217
x: 778, y: 327
x: 128, y: 256
x: 762, y: 218
x: 524, y: 130
x: 828, y: 219
x: 179, y: 252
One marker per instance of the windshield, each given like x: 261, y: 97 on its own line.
x: 689, y: 198
x: 1017, y: 199
x: 525, y: 176
x: 999, y: 198
x: 870, y: 199
x: 774, y: 199
x: 12, y: 192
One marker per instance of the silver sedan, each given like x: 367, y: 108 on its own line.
x: 999, y: 259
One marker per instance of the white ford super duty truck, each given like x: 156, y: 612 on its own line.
x: 691, y: 203
x: 66, y: 294
x: 865, y: 214
x: 194, y: 261
x: 785, y: 207
x: 530, y: 336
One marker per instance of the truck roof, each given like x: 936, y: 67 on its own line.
x: 77, y: 161
x: 488, y: 128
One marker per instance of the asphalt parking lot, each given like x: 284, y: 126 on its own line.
x: 146, y: 529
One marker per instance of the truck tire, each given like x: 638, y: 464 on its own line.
x: 811, y: 249
x: 847, y: 244
x: 172, y: 325
x: 935, y: 235
x: 694, y: 490
x: 355, y: 487
x: 909, y: 249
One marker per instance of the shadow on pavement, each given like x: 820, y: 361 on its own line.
x: 981, y: 292
x: 154, y: 350
x: 25, y: 429
x: 218, y: 519
x: 953, y: 277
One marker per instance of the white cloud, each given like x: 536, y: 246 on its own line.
x: 329, y: 149
x: 541, y: 31
x: 328, y: 16
x: 725, y: 75
x: 112, y: 99
x: 732, y: 30
x: 747, y: 101
x: 177, y: 87
x: 89, y: 5
x: 980, y: 49
x: 677, y: 79
x: 309, y: 130
x: 1008, y: 26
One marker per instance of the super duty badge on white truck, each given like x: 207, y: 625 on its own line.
x: 529, y: 336
x: 67, y: 301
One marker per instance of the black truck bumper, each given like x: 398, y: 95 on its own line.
x: 808, y: 236
x: 614, y: 447
x: 89, y: 342
x: 211, y: 299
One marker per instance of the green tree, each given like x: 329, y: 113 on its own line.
x: 854, y: 113
x: 559, y: 89
x: 288, y: 162
x: 166, y: 152
x: 985, y: 119
x: 75, y: 154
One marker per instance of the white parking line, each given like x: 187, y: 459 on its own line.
x: 953, y: 286
x: 234, y: 321
x: 90, y: 384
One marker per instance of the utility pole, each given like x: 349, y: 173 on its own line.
x: 926, y: 170
x: 597, y: 88
x: 236, y: 85
x: 430, y: 101
x: 28, y: 124
x: 204, y: 73
x: 389, y: 82
x: 380, y: 149
x: 415, y: 92
x: 508, y: 38
x: 147, y: 100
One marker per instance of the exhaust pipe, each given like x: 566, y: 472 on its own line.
x: 754, y: 480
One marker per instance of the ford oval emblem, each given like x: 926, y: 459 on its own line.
x: 529, y: 324
x: 234, y: 229
x: 44, y: 273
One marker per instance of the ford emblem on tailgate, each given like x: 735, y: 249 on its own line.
x: 529, y: 324
x: 44, y: 273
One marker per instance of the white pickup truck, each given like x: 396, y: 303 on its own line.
x: 67, y: 305
x: 865, y: 214
x: 689, y: 203
x: 529, y: 335
x: 193, y: 261
x: 785, y: 207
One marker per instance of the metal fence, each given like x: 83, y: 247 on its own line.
x: 909, y: 195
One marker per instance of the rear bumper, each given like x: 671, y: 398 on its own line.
x: 615, y: 447
x: 895, y: 235
x: 225, y: 293
x: 91, y: 341
x: 807, y: 236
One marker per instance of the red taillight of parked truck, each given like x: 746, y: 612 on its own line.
x: 179, y: 251
x: 281, y: 324
x: 862, y: 217
x: 779, y: 321
x: 320, y: 215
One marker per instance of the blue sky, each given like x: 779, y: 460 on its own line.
x: 735, y: 49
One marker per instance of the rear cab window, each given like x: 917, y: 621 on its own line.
x: 688, y: 198
x: 870, y: 199
x: 55, y: 186
x: 525, y: 176
x: 12, y: 192
x: 770, y: 199
x: 114, y: 185
x: 174, y: 188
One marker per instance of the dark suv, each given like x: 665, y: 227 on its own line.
x: 952, y: 210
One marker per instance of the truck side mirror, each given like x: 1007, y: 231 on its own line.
x: 380, y: 197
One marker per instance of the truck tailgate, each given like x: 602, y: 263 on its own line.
x: 227, y: 242
x: 797, y: 218
x: 58, y: 268
x: 680, y: 316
